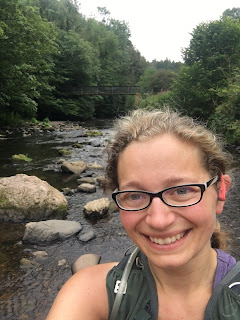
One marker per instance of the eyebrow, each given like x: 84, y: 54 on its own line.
x: 178, y: 180
x: 169, y: 182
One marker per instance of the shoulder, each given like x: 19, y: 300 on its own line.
x: 225, y: 263
x: 84, y: 296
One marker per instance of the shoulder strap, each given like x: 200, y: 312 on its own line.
x: 232, y: 276
x: 123, y: 284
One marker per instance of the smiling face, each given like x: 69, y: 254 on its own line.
x: 169, y: 237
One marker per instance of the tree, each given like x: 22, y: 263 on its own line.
x: 49, y: 49
x: 76, y: 65
x: 226, y: 117
x: 64, y: 14
x: 210, y: 62
x: 191, y: 91
x: 233, y: 13
x: 27, y: 46
x: 166, y: 65
x: 216, y: 46
x: 156, y: 81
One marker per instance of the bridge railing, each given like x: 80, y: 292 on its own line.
x: 106, y: 90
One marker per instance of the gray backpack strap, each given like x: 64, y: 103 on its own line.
x: 123, y: 284
x: 232, y: 276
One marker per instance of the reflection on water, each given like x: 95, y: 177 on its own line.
x: 58, y: 180
x: 10, y: 248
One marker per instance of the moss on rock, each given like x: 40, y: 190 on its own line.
x: 64, y: 152
x: 93, y: 133
x: 21, y: 157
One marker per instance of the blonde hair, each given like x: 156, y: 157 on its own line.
x: 141, y: 125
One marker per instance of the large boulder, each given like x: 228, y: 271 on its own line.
x: 50, y: 230
x: 26, y: 198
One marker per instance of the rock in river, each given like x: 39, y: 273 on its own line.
x: 86, y: 187
x: 97, y: 208
x: 26, y: 198
x: 50, y: 230
x: 76, y: 167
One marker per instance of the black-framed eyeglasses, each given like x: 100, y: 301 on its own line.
x: 180, y: 196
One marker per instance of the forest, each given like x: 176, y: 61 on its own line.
x: 49, y: 49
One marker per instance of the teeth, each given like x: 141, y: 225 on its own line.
x: 167, y: 240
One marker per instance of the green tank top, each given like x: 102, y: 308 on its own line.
x: 140, y: 299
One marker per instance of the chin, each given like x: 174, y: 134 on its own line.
x: 168, y: 262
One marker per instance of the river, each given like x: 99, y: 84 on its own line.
x: 29, y: 293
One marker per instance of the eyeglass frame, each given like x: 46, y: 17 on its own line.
x: 202, y: 186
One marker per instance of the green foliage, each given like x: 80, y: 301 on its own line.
x: 90, y: 53
x: 64, y: 14
x: 157, y: 101
x: 226, y: 117
x: 112, y: 106
x: 191, y: 91
x: 166, y: 65
x: 49, y: 49
x: 210, y: 63
x: 158, y: 76
x: 27, y: 43
x: 76, y: 64
x: 45, y: 123
x: 156, y: 80
x: 11, y: 118
x: 215, y: 46
x: 233, y: 13
x: 34, y: 121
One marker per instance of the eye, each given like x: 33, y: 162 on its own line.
x: 183, y: 190
x: 127, y: 198
x: 133, y: 196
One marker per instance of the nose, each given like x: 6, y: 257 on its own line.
x: 159, y: 215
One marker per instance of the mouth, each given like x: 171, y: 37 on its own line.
x: 168, y: 240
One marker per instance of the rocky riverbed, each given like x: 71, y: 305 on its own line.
x: 27, y: 292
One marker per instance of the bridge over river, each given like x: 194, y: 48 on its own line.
x: 105, y: 90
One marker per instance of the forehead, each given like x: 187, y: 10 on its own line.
x: 162, y: 156
x: 164, y: 144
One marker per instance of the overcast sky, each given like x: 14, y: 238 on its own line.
x: 160, y: 29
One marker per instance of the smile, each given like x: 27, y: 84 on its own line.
x: 168, y: 240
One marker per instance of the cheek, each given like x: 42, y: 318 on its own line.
x: 129, y: 220
x: 205, y: 216
x: 125, y: 219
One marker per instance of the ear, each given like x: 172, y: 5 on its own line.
x: 224, y: 187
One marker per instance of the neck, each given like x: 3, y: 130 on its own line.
x: 198, y: 273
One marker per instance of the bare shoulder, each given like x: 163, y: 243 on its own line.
x: 84, y: 295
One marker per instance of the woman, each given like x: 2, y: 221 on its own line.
x: 170, y: 181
